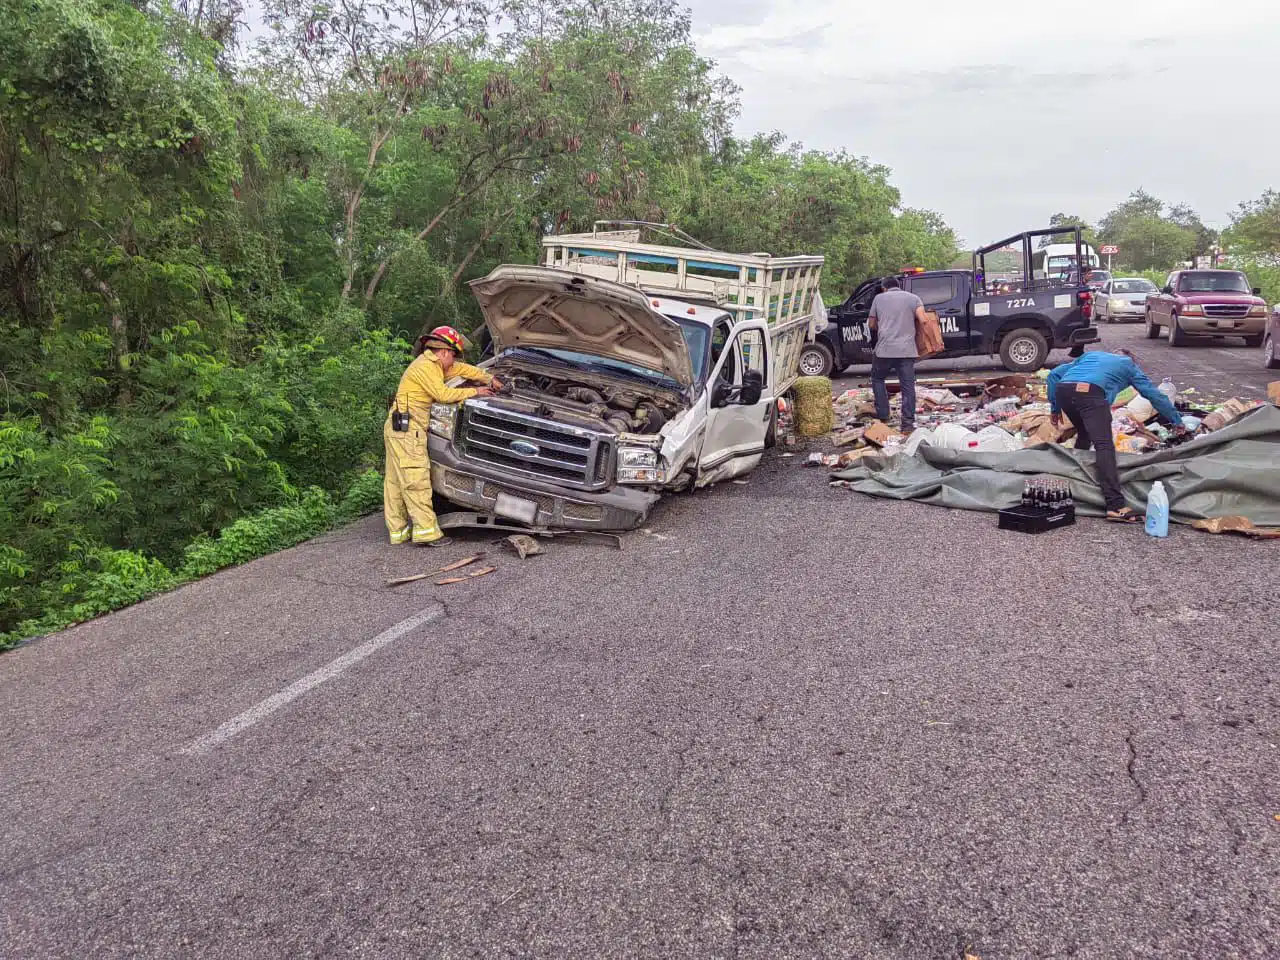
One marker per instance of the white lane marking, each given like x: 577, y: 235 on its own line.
x: 296, y: 689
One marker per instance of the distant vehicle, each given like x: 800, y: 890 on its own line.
x: 1207, y: 303
x: 1058, y: 261
x: 1096, y: 278
x: 1271, y: 342
x: 1123, y: 299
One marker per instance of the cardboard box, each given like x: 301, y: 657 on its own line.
x: 1226, y: 413
x: 879, y: 433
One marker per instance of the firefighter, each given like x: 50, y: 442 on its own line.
x: 406, y: 491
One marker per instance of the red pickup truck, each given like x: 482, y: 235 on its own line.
x: 1207, y: 303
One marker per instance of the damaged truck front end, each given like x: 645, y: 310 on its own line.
x: 595, y: 385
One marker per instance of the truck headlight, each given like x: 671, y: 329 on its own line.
x: 444, y: 419
x: 1193, y: 309
x: 1257, y: 311
x: 639, y: 465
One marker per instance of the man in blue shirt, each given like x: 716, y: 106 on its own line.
x: 1084, y: 390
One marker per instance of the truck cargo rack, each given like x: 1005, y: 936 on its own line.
x: 783, y: 291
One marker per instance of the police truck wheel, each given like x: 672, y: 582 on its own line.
x: 1023, y: 350
x: 1176, y: 337
x: 1153, y: 328
x: 1271, y: 353
x: 816, y: 360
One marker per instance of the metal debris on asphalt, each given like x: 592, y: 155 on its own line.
x: 524, y: 545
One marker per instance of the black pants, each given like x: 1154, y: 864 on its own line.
x: 1090, y: 414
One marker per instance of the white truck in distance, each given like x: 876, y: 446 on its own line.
x: 632, y: 369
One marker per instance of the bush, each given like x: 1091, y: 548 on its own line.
x: 90, y: 581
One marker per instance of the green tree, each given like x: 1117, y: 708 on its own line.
x: 1147, y: 238
x: 1068, y: 220
x: 1255, y: 225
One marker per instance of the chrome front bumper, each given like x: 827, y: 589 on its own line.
x: 1222, y: 326
x: 477, y: 487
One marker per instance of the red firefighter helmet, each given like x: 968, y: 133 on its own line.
x: 446, y: 337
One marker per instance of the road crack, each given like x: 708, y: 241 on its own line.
x: 1131, y: 770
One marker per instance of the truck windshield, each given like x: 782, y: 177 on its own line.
x: 1213, y: 281
x: 696, y: 337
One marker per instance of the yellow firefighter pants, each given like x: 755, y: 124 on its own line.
x: 406, y: 490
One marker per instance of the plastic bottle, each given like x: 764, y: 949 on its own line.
x: 1168, y: 389
x: 1157, y: 511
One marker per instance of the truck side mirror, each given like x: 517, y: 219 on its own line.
x: 1167, y: 288
x: 721, y: 394
x: 1257, y: 291
x: 752, y: 387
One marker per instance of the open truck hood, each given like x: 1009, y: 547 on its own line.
x: 554, y: 309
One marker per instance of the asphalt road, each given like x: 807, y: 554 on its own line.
x: 786, y: 720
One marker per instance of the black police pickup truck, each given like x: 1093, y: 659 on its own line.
x: 1020, y: 320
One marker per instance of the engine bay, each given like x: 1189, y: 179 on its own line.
x: 612, y: 404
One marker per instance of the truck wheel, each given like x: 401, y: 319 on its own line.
x: 1270, y: 356
x: 1254, y: 341
x: 1153, y: 328
x: 1176, y: 337
x: 1023, y: 350
x: 816, y: 360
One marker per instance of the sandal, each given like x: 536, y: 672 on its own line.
x: 1124, y: 515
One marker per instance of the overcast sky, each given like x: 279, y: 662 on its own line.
x: 998, y: 114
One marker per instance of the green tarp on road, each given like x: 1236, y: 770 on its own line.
x: 1234, y: 471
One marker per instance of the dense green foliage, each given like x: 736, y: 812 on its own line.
x: 212, y: 255
x: 1155, y: 240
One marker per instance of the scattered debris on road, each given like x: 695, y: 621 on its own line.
x: 524, y: 545
x: 456, y: 565
x: 1241, y: 525
x: 1004, y: 414
x: 483, y: 571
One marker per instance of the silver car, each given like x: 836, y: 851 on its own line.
x: 1123, y: 299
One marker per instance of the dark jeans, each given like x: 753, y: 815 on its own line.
x: 1090, y: 414
x: 905, y: 367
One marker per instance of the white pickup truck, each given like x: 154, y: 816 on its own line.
x: 619, y: 391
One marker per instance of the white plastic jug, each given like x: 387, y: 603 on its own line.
x: 951, y: 436
x: 1168, y: 389
x: 1157, y: 511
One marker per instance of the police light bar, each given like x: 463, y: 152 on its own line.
x: 912, y: 270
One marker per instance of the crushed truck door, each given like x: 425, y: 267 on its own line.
x: 736, y: 426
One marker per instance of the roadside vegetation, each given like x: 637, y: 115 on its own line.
x: 1155, y: 239
x: 213, y: 253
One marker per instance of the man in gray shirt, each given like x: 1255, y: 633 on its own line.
x: 894, y: 315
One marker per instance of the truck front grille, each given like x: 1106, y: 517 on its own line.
x: 1226, y: 310
x: 534, y: 447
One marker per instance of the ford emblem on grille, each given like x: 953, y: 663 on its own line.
x: 524, y: 448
